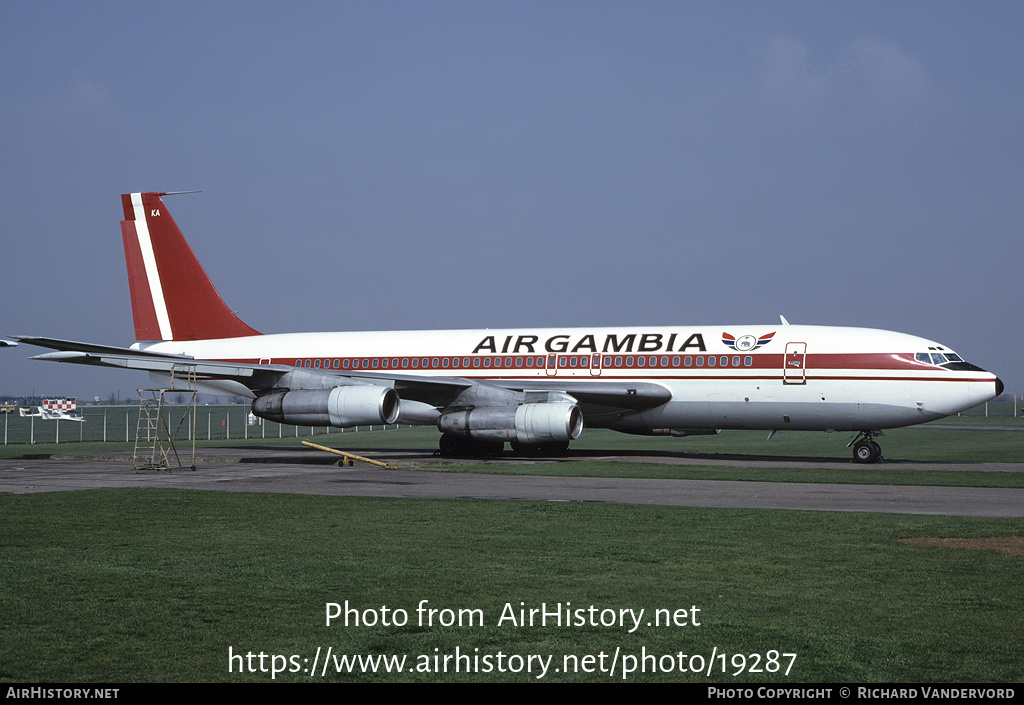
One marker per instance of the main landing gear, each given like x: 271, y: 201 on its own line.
x: 550, y: 448
x: 865, y: 450
x: 452, y: 446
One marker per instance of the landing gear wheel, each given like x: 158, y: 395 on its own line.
x: 491, y: 448
x: 551, y: 448
x: 866, y: 452
x: 520, y: 448
x: 449, y: 445
x: 457, y: 447
x: 557, y: 447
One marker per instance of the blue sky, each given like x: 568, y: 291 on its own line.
x: 390, y: 165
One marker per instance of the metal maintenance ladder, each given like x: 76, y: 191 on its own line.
x: 154, y: 440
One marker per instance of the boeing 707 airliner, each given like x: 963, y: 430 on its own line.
x: 535, y: 388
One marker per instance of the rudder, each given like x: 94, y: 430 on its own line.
x: 172, y: 297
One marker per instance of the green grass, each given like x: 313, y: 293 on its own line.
x: 124, y: 585
x: 914, y: 444
x: 225, y: 425
x: 856, y: 475
x: 1008, y: 413
x: 918, y: 445
x: 115, y: 424
x: 156, y: 585
x: 106, y: 429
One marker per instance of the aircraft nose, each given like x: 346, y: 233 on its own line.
x: 999, y: 386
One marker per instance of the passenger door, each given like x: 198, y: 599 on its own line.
x: 794, y: 368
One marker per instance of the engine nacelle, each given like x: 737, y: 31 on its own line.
x: 341, y: 407
x: 543, y: 422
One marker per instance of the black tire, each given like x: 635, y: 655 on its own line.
x: 866, y: 452
x: 493, y: 448
x: 449, y: 445
x: 878, y: 450
x: 552, y: 448
x: 458, y: 447
x: 525, y: 448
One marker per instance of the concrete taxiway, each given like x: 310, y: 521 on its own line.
x: 303, y: 471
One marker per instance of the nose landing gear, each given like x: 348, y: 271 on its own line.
x: 865, y: 450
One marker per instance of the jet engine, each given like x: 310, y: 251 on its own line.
x: 533, y: 423
x: 341, y: 407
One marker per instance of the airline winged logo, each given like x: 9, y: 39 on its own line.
x: 746, y: 343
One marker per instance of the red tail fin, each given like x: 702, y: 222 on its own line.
x: 172, y: 298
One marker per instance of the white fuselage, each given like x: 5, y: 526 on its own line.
x: 722, y: 377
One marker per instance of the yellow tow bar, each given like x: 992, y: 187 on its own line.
x: 348, y: 458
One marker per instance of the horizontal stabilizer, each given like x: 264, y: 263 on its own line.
x: 75, y: 346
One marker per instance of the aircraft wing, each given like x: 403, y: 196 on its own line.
x: 256, y: 378
x: 595, y: 396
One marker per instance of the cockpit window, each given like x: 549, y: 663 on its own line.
x: 933, y: 358
x: 949, y: 361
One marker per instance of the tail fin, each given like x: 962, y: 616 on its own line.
x: 172, y: 298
